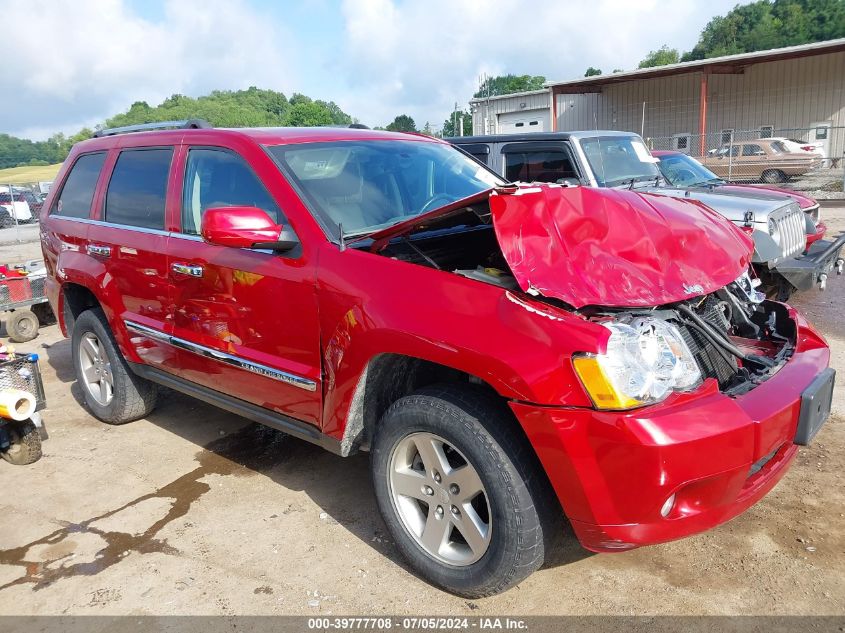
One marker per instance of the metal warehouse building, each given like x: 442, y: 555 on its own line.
x: 796, y: 92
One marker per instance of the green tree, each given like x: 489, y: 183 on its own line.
x: 427, y: 129
x: 770, y: 24
x: 661, y: 57
x: 592, y: 72
x: 308, y: 115
x: 451, y: 128
x: 402, y: 123
x: 508, y: 84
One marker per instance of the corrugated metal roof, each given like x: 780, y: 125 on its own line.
x: 513, y: 95
x: 742, y: 59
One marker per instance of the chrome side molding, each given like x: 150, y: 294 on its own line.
x: 223, y: 357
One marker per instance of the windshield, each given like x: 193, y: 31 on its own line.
x: 680, y: 170
x: 619, y: 160
x: 365, y: 186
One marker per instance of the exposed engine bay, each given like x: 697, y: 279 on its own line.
x: 736, y: 336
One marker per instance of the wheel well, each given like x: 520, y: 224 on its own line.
x: 387, y: 378
x: 78, y: 299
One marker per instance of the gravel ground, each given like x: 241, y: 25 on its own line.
x: 194, y: 511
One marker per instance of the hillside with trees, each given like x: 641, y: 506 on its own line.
x: 760, y: 26
x: 222, y: 108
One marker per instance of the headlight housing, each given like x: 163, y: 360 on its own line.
x: 646, y: 359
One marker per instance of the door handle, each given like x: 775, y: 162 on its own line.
x: 98, y: 249
x: 192, y: 270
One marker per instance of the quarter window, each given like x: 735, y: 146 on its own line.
x: 138, y: 188
x: 218, y: 178
x: 542, y: 166
x: 77, y: 194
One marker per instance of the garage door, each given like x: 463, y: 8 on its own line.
x: 524, y: 121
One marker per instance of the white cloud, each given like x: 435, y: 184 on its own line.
x: 420, y: 57
x: 85, y: 60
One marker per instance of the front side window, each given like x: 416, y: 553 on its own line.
x: 77, y: 194
x: 365, y: 186
x: 138, y: 188
x: 219, y: 178
x: 619, y: 160
x: 539, y: 166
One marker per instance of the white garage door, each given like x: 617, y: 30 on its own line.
x: 524, y: 121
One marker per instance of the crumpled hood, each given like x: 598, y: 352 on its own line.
x: 615, y: 248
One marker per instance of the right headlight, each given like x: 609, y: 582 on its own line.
x: 645, y: 360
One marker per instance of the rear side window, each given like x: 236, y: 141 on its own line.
x: 138, y: 188
x: 217, y: 178
x: 77, y: 194
x: 542, y: 166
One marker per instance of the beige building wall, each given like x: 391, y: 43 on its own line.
x: 485, y: 112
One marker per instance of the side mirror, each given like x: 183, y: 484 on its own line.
x: 245, y: 227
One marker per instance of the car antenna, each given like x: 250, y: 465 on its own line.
x: 342, y: 237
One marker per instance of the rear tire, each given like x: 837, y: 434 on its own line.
x: 22, y: 326
x: 26, y: 444
x: 468, y: 428
x: 113, y: 392
x: 773, y: 176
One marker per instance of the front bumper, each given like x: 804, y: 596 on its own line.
x: 613, y: 471
x: 816, y: 266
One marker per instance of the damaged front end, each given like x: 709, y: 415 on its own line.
x: 732, y: 336
x: 667, y: 278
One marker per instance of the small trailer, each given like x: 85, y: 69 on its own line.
x: 22, y: 296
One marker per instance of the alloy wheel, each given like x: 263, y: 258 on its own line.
x: 96, y: 369
x: 440, y: 499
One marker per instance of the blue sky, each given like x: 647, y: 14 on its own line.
x: 90, y: 59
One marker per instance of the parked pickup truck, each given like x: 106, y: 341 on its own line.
x: 621, y: 160
x: 508, y: 355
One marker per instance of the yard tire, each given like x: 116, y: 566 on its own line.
x: 22, y: 326
x: 26, y: 443
x: 773, y: 176
x: 124, y: 397
x: 506, y: 533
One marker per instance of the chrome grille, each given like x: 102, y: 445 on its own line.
x: 790, y: 224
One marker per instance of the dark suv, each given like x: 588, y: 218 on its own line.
x: 501, y: 351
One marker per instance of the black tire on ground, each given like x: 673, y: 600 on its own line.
x: 134, y: 397
x: 22, y: 326
x: 6, y: 221
x: 26, y: 443
x: 44, y: 313
x: 478, y: 425
x: 773, y: 176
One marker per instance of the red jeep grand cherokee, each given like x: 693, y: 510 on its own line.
x: 502, y: 352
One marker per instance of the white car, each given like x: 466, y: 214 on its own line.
x: 17, y: 206
x: 796, y: 145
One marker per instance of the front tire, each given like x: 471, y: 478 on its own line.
x: 113, y: 393
x: 459, y: 490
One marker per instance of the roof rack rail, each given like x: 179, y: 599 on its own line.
x: 187, y: 124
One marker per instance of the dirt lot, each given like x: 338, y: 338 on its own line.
x: 194, y: 511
